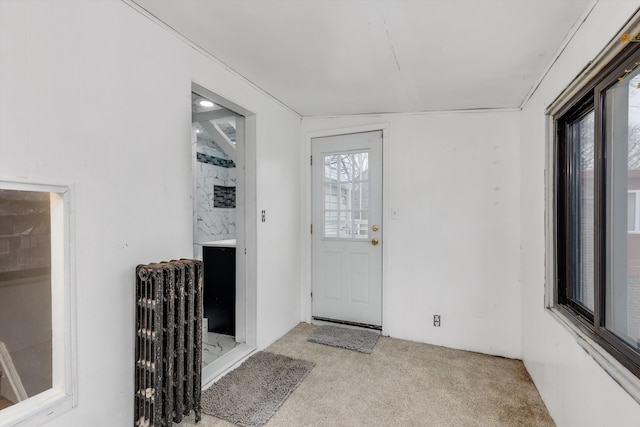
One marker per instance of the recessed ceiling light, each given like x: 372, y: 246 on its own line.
x: 198, y: 130
x: 205, y: 103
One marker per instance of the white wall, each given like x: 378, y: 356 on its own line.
x: 453, y: 248
x: 576, y: 390
x: 96, y: 96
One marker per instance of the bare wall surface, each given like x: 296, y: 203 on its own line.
x: 96, y: 96
x: 575, y: 389
x: 451, y: 227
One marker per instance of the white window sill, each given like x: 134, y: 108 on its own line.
x: 36, y: 410
x: 621, y: 375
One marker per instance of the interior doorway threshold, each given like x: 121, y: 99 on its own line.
x: 213, y: 371
x: 347, y: 323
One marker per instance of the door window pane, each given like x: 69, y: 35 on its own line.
x: 360, y: 196
x: 331, y: 224
x: 361, y: 227
x: 344, y: 218
x: 583, y: 137
x: 622, y: 124
x: 346, y: 195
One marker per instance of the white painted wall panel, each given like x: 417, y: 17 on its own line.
x: 96, y: 96
x: 453, y: 246
x: 575, y: 389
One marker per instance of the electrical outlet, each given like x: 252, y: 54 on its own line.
x: 436, y: 320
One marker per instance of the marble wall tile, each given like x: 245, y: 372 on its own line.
x: 213, y: 223
x: 211, y: 226
x: 209, y: 149
x: 231, y: 222
x: 231, y: 177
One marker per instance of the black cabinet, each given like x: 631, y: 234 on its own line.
x: 220, y: 289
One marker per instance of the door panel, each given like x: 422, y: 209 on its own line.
x: 347, y: 217
x: 330, y: 275
x: 360, y: 278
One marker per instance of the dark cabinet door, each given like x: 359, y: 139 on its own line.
x: 220, y: 289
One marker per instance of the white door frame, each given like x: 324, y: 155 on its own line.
x: 246, y: 238
x: 305, y: 296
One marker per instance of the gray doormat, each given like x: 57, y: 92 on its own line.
x: 352, y: 339
x: 249, y: 395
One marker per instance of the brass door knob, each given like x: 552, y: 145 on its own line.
x: 375, y: 228
x: 374, y: 241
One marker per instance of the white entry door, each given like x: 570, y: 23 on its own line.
x: 347, y: 228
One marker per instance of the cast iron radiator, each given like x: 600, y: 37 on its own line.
x: 168, y: 356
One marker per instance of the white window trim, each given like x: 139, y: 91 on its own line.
x: 62, y: 397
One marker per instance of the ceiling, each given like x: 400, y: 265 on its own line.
x: 328, y: 57
x: 215, y: 127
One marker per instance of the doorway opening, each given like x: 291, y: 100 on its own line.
x: 220, y: 227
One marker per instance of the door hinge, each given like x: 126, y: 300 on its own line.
x: 311, y: 160
x: 311, y: 295
x: 311, y: 228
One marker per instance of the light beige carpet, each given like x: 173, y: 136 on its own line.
x: 403, y: 383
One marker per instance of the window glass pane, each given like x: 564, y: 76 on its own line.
x: 344, y: 227
x: 25, y: 294
x: 346, y: 195
x: 361, y: 166
x: 361, y: 225
x: 331, y: 224
x: 582, y: 134
x: 622, y: 133
x: 330, y: 168
x: 330, y: 197
x: 346, y: 167
x: 360, y: 196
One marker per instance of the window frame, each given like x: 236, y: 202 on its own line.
x: 62, y: 396
x: 566, y: 201
x: 590, y: 98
